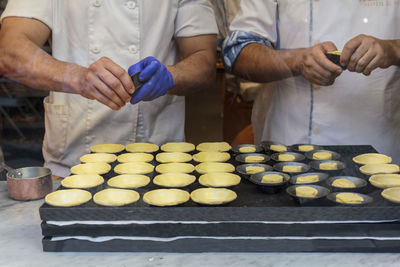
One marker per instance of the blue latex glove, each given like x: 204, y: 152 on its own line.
x: 156, y: 79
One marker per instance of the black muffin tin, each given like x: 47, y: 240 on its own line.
x: 251, y: 208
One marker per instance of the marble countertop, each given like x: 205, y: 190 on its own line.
x: 20, y: 243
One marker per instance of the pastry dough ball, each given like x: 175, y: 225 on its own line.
x: 286, y: 157
x: 107, y: 148
x: 82, y: 181
x: 98, y: 157
x: 174, y: 179
x: 254, y: 159
x: 129, y: 181
x: 175, y: 167
x: 254, y: 169
x: 142, y: 148
x: 207, y: 167
x: 166, y: 197
x: 385, y: 180
x: 214, y: 146
x: 169, y: 157
x: 178, y: 147
x: 306, y: 191
x: 213, y: 196
x: 349, y: 198
x: 291, y: 168
x: 135, y: 157
x: 116, y: 197
x: 68, y: 197
x: 372, y: 158
x: 305, y: 148
x: 307, y: 179
x: 134, y: 168
x: 278, y: 148
x: 91, y: 168
x: 330, y: 166
x: 322, y: 156
x: 272, y: 179
x: 343, y: 183
x: 247, y: 149
x: 371, y: 169
x: 211, y: 156
x: 219, y: 179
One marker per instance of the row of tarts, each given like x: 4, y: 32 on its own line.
x: 174, y: 171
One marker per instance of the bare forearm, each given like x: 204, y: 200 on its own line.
x: 193, y: 73
x: 25, y: 62
x: 395, y: 51
x: 260, y: 63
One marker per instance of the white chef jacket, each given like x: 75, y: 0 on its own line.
x: 356, y: 109
x: 126, y: 32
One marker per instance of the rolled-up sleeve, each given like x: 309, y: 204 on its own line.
x: 256, y: 22
x: 195, y: 17
x: 33, y: 9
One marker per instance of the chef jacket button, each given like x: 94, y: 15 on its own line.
x: 131, y: 4
x: 97, y: 3
x: 95, y: 49
x: 132, y: 49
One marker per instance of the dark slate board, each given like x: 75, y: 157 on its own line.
x: 194, y: 245
x: 251, y: 205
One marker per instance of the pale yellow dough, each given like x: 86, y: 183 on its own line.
x: 291, y: 168
x: 91, y: 168
x: 247, y: 149
x: 107, y: 148
x: 371, y: 169
x: 115, y: 197
x: 166, y: 197
x: 219, y: 179
x: 175, y: 167
x: 134, y: 168
x: 129, y: 181
x: 385, y: 180
x: 207, y: 167
x: 211, y: 156
x: 330, y: 166
x: 68, y: 197
x: 213, y: 196
x: 254, y: 169
x: 174, y: 179
x: 306, y: 191
x: 253, y: 159
x: 169, y: 157
x: 214, y: 146
x: 308, y: 179
x: 306, y: 148
x: 82, y: 181
x: 392, y: 194
x: 343, y: 183
x: 142, y: 147
x: 98, y: 157
x: 322, y: 156
x: 272, y: 179
x: 135, y: 157
x: 349, y: 198
x: 372, y: 158
x: 286, y: 157
x: 278, y: 148
x: 178, y: 147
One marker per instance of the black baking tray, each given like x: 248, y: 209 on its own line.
x: 251, y: 204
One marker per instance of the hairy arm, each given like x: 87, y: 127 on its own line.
x: 23, y: 60
x: 196, y: 69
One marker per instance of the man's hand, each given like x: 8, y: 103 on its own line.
x: 155, y: 76
x: 316, y: 67
x: 365, y: 53
x: 106, y: 82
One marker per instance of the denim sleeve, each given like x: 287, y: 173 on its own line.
x: 234, y: 44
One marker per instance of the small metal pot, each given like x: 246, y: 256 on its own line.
x: 29, y: 183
